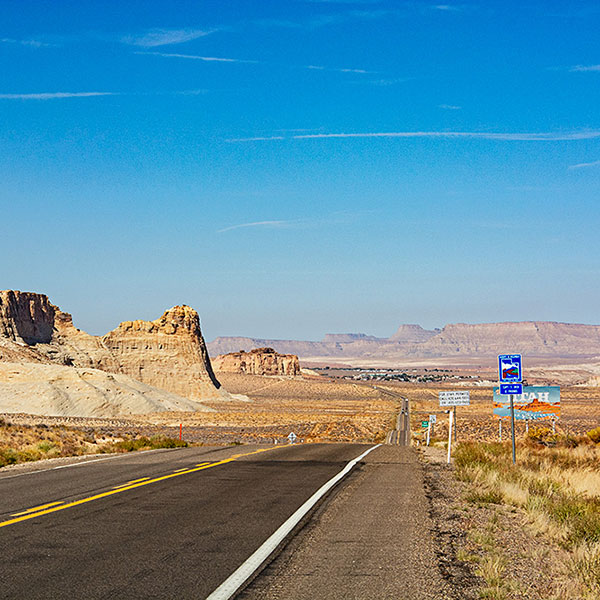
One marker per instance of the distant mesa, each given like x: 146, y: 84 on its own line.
x: 349, y: 337
x: 484, y: 340
x: 259, y: 361
x: 412, y: 334
x: 168, y: 356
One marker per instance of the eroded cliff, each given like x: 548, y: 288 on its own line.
x: 168, y: 353
x: 260, y: 361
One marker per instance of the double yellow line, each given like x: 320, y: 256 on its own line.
x: 46, y: 509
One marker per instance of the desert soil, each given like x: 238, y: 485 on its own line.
x: 326, y: 409
x: 316, y: 410
x: 491, y: 549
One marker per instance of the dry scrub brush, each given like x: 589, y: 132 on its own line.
x: 25, y: 443
x: 556, y: 481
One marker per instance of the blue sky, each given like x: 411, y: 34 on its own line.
x: 294, y: 168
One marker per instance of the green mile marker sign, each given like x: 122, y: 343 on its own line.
x: 424, y: 424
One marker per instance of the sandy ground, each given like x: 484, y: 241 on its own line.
x: 322, y: 409
x: 316, y: 410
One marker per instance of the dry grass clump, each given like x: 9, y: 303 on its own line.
x: 143, y: 443
x: 558, y: 486
x: 594, y: 435
x: 25, y: 443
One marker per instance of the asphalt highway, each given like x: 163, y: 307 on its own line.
x: 162, y: 524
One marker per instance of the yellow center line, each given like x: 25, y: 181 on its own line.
x: 130, y: 482
x: 181, y: 470
x: 31, y: 510
x: 51, y: 508
x: 201, y: 464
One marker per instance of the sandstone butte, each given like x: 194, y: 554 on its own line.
x: 169, y: 353
x: 260, y: 361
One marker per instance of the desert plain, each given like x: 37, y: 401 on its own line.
x: 266, y: 409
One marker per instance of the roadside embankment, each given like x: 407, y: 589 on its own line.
x: 530, y: 530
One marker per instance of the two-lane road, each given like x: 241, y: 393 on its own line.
x: 164, y: 524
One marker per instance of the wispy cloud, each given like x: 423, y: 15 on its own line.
x: 344, y: 70
x: 269, y: 224
x: 384, y: 82
x: 349, y: 2
x: 447, y: 7
x: 595, y: 163
x: 500, y: 136
x: 164, y: 37
x: 30, y: 43
x: 197, y: 92
x: 584, y: 68
x: 196, y: 57
x: 55, y: 95
x: 262, y: 138
x: 255, y: 62
x: 449, y: 106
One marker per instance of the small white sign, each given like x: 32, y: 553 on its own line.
x: 292, y: 437
x: 454, y: 399
x: 432, y: 419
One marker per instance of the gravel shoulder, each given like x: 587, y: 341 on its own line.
x: 374, y: 539
x: 491, y: 550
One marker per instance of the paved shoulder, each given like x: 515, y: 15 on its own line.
x: 371, y: 542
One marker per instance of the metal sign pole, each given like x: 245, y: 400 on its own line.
x: 500, y: 428
x: 512, y: 428
x: 450, y: 435
x: 455, y: 425
x: 428, y: 431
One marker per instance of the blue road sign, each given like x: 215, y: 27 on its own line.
x: 511, y: 388
x: 509, y: 368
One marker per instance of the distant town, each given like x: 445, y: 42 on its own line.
x: 407, y: 375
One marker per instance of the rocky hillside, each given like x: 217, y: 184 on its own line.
x: 168, y: 354
x: 260, y: 361
x: 60, y: 391
x: 534, y: 338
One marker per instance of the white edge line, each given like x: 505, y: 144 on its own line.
x: 233, y: 583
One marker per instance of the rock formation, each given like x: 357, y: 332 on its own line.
x: 412, y: 334
x: 168, y: 353
x: 534, y: 338
x: 349, y: 337
x: 56, y: 390
x: 260, y: 361
x: 26, y: 317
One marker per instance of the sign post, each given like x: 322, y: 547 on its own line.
x: 510, y: 367
x: 430, y: 422
x: 512, y: 429
x: 451, y: 415
x: 453, y: 399
x: 292, y: 437
x: 455, y: 427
